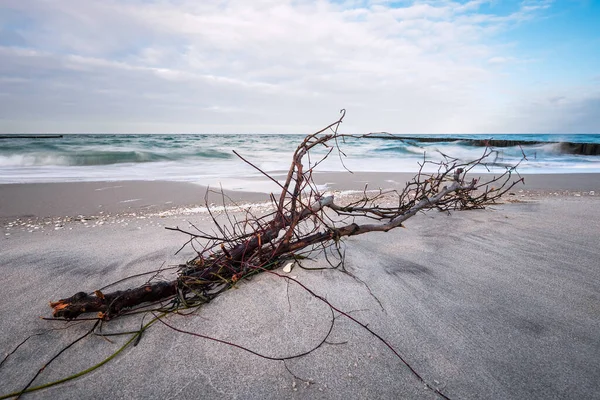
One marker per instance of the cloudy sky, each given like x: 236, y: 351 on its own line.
x: 279, y: 66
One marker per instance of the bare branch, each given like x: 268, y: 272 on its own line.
x: 304, y: 223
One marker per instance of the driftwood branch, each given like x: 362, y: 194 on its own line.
x: 304, y: 221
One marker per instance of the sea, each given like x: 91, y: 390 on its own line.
x: 209, y: 159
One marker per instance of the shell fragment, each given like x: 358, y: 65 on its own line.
x: 288, y: 267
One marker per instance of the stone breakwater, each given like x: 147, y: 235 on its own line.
x: 587, y: 149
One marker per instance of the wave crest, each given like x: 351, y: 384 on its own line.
x: 103, y: 158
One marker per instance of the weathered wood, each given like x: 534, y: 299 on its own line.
x: 299, y: 223
x: 111, y: 304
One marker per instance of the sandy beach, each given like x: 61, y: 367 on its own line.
x: 502, y: 303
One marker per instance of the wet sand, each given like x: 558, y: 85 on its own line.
x: 89, y: 198
x: 496, y: 303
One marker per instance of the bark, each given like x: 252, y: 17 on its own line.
x: 113, y: 303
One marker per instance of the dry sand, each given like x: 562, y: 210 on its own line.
x: 502, y: 303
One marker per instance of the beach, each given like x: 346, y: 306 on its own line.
x: 501, y: 303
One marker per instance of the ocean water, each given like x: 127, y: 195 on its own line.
x: 209, y: 159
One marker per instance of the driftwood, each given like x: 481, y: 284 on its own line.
x: 304, y: 221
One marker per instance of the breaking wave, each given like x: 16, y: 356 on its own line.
x: 91, y: 158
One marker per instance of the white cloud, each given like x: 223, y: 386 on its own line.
x: 248, y: 66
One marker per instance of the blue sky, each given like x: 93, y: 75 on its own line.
x: 288, y: 66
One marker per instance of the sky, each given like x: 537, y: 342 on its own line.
x: 289, y: 66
